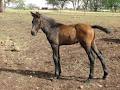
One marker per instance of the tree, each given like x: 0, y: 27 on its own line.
x: 96, y: 4
x: 8, y: 1
x: 57, y: 3
x: 62, y: 3
x: 112, y: 4
x: 20, y: 4
x: 75, y: 3
x: 52, y: 2
x: 85, y: 4
x: 2, y: 5
x: 93, y: 5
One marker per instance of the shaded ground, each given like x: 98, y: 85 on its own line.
x: 32, y: 68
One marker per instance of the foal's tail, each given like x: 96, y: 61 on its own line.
x: 101, y: 28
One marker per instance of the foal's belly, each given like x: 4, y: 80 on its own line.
x: 68, y: 40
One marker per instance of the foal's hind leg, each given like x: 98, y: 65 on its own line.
x: 93, y: 54
x: 91, y: 59
x: 101, y: 58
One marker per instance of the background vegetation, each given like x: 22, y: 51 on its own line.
x: 86, y: 5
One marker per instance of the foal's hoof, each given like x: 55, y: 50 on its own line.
x: 57, y: 77
x: 87, y: 81
x: 105, y: 75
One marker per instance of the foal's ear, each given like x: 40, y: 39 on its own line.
x: 38, y: 14
x: 35, y: 15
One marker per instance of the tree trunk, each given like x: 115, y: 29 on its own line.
x: 1, y: 6
x: 95, y: 9
x: 96, y: 6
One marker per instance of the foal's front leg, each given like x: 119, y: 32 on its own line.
x: 56, y: 58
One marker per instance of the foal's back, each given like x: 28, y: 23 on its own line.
x: 71, y: 34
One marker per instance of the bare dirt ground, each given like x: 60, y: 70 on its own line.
x: 26, y: 62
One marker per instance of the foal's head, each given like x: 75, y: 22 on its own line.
x: 41, y: 22
x: 36, y: 23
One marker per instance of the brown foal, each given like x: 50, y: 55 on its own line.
x: 60, y: 34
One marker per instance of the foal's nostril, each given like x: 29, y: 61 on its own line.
x: 32, y: 33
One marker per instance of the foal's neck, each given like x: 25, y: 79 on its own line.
x: 46, y: 30
x: 48, y: 25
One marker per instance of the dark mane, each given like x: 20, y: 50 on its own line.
x: 51, y: 21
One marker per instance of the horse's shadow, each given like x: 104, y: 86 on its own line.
x: 117, y: 41
x: 38, y: 74
x: 41, y: 74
